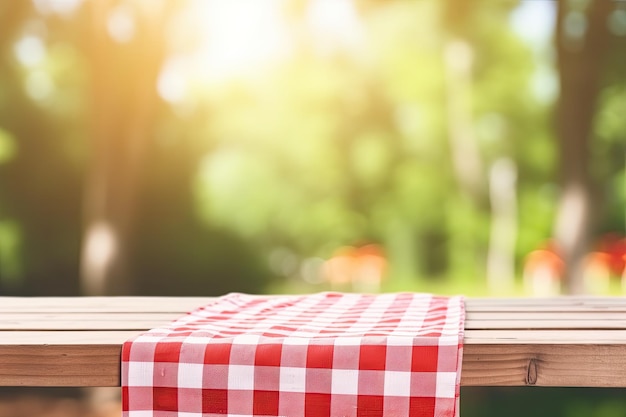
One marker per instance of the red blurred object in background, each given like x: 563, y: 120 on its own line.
x: 360, y: 269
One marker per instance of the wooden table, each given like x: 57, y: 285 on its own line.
x: 566, y: 341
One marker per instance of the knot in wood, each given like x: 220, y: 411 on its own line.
x: 531, y: 372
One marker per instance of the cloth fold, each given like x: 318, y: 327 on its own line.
x: 320, y: 355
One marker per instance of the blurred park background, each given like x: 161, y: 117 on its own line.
x: 199, y: 147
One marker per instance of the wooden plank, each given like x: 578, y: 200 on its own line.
x: 16, y: 340
x: 547, y: 304
x: 559, y: 300
x: 546, y: 307
x: 102, y: 304
x: 472, y: 337
x: 83, y: 365
x: 544, y: 365
x: 545, y: 324
x: 81, y: 325
x: 138, y: 322
x: 545, y: 337
x: 84, y: 321
x: 93, y: 363
x: 471, y: 315
x: 546, y: 315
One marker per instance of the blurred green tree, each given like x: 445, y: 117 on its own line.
x: 413, y: 125
x: 585, y: 41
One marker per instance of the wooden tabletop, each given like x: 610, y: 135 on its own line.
x: 565, y: 341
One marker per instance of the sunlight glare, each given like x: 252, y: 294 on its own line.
x: 534, y: 22
x: 334, y: 24
x: 237, y: 40
x: 120, y: 24
x: 61, y: 7
x: 240, y: 37
x: 30, y: 50
x: 171, y: 83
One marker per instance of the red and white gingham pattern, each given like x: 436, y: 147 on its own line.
x: 318, y: 355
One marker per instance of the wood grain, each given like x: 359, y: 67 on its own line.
x: 60, y: 365
x: 566, y: 341
x: 555, y: 365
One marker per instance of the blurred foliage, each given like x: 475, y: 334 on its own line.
x: 343, y: 151
x: 341, y: 141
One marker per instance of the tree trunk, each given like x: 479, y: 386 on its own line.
x: 581, y: 49
x: 466, y: 159
x: 504, y: 228
x: 123, y: 96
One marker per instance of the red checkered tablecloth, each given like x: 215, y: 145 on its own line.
x: 321, y: 355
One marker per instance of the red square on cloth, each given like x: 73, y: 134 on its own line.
x: 373, y: 358
x: 268, y: 354
x: 168, y: 351
x: 424, y: 358
x: 214, y: 401
x: 318, y: 355
x: 217, y: 354
x: 165, y: 399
